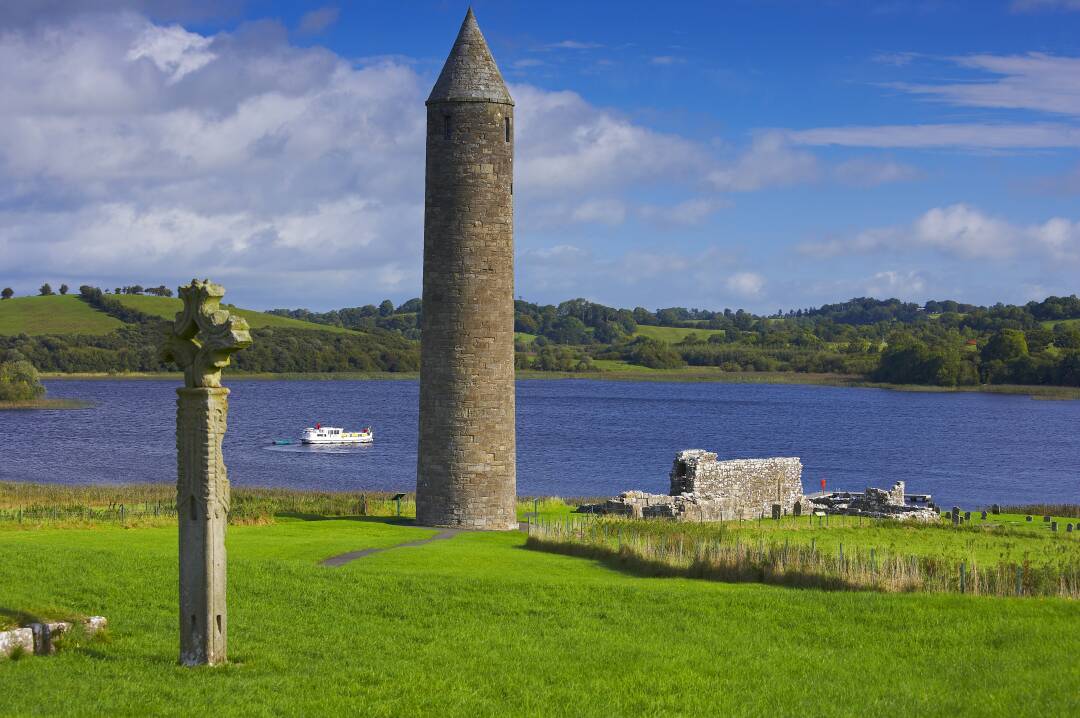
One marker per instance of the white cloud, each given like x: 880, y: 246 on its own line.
x: 574, y: 45
x: 568, y: 145
x: 896, y: 59
x: 688, y: 212
x: 666, y: 60
x: 603, y: 211
x: 964, y: 135
x: 1037, y: 5
x: 769, y: 162
x: 315, y: 21
x: 965, y: 232
x: 891, y: 283
x: 1035, y: 81
x: 173, y: 50
x: 866, y: 172
x: 746, y: 285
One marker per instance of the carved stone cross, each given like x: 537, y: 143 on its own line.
x: 202, y: 340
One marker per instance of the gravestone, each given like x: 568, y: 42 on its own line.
x: 1028, y: 519
x: 967, y: 516
x: 1068, y: 528
x: 776, y: 508
x: 203, y: 338
x: 983, y: 516
x: 995, y: 509
x: 1053, y: 526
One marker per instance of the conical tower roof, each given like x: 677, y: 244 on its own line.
x: 470, y: 73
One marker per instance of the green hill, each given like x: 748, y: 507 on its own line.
x: 66, y: 315
x: 56, y: 314
x: 673, y: 335
x: 167, y: 307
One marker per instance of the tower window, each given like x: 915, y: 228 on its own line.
x: 506, y: 126
x: 447, y: 127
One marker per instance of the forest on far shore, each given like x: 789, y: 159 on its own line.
x: 942, y: 343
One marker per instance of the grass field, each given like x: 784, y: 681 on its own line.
x: 167, y: 307
x: 673, y: 335
x: 53, y: 315
x: 478, y: 626
x: 1050, y: 324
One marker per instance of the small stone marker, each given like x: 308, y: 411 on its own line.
x: 776, y: 508
x: 983, y: 516
x: 1068, y: 528
x: 967, y: 516
x: 1028, y: 519
x: 1053, y: 525
x: 202, y: 340
x: 1046, y: 519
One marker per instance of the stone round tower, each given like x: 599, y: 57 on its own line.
x: 466, y: 472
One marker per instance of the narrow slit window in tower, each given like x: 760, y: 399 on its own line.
x: 191, y: 502
x: 506, y: 126
x: 447, y: 127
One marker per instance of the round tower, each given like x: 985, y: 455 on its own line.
x: 466, y: 473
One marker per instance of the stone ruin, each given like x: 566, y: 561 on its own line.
x: 39, y: 638
x: 878, y: 504
x: 704, y: 489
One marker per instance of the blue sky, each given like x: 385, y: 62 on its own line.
x: 758, y: 154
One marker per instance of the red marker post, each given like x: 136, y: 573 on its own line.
x: 823, y: 486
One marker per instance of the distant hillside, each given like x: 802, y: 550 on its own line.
x: 104, y: 333
x: 63, y: 315
x: 57, y: 314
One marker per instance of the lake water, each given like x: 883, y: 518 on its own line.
x: 576, y: 438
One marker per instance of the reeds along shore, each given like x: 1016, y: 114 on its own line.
x: 142, y: 503
x: 634, y: 547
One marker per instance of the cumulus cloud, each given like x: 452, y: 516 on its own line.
x: 965, y: 232
x: 746, y: 285
x: 769, y: 162
x: 892, y: 283
x: 128, y: 146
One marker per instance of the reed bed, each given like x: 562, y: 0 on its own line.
x: 1069, y: 511
x: 634, y: 546
x: 139, y: 504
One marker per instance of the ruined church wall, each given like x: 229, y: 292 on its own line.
x: 743, y: 488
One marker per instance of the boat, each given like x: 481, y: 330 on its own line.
x: 320, y: 434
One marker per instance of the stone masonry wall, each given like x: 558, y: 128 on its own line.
x: 741, y: 488
x: 466, y: 453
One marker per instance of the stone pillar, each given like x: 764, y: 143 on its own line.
x: 466, y: 475
x: 202, y: 500
x: 204, y: 336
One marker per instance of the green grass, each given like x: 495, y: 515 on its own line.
x: 673, y: 335
x: 167, y: 307
x: 53, y: 315
x: 1051, y: 323
x: 524, y: 337
x: 477, y: 626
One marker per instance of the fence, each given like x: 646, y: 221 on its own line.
x: 772, y: 561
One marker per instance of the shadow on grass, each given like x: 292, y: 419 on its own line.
x: 635, y: 565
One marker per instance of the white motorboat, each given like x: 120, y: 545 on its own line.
x: 320, y: 434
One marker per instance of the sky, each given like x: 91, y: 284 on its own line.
x: 757, y: 154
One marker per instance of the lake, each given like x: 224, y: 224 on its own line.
x: 575, y: 437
